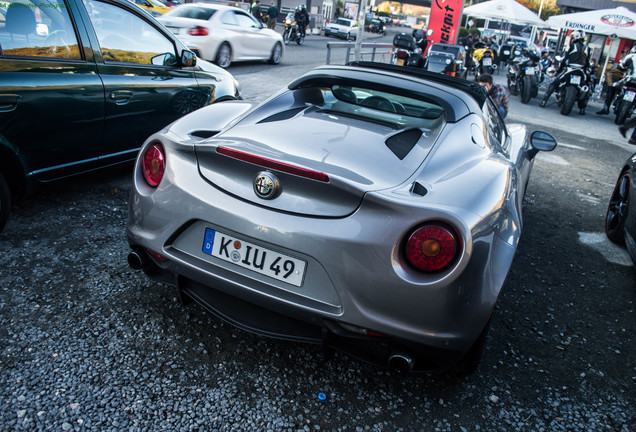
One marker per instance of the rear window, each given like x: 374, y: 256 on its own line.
x: 192, y: 12
x: 392, y: 109
x: 343, y: 22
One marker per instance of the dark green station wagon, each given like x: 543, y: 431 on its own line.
x: 83, y: 83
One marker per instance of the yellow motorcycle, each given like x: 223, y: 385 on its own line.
x: 484, y: 59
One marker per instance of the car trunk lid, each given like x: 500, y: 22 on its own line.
x: 354, y: 156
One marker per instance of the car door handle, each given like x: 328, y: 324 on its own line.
x: 8, y: 102
x: 121, y: 97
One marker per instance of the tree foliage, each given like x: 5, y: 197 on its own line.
x: 549, y: 7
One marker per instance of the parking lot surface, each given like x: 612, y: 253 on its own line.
x: 88, y: 344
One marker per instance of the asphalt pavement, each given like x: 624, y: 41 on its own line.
x: 87, y: 344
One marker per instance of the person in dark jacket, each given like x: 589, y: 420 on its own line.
x: 578, y: 54
x: 256, y: 11
x: 302, y: 18
x: 272, y: 13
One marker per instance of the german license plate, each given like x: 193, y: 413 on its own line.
x: 575, y: 79
x: 629, y: 96
x: 487, y: 61
x: 255, y: 258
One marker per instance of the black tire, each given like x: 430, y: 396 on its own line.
x: 512, y: 88
x: 621, y: 112
x: 277, y: 54
x: 287, y: 36
x: 568, y: 100
x: 617, y: 209
x: 224, y: 56
x: 526, y: 89
x: 5, y: 202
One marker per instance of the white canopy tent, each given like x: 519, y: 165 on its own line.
x: 505, y: 10
x: 617, y: 22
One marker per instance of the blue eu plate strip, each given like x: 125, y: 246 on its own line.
x: 208, y: 241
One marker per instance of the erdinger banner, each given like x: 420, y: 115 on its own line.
x: 444, y: 20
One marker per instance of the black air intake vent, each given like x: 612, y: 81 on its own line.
x: 203, y: 133
x: 283, y: 115
x: 402, y: 143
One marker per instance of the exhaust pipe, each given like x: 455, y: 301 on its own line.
x: 400, y: 362
x: 136, y: 260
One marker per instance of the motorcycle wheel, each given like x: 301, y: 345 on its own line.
x: 621, y: 112
x: 526, y: 89
x: 512, y: 87
x: 568, y: 100
x: 287, y: 36
x: 300, y: 39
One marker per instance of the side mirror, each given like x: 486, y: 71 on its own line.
x: 188, y: 58
x: 541, y: 141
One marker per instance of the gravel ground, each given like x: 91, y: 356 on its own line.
x: 86, y: 344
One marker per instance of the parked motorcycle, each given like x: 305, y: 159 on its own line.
x: 625, y: 101
x: 406, y: 52
x: 523, y: 75
x: 573, y: 87
x: 292, y: 31
x: 484, y: 59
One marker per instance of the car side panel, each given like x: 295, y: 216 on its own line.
x: 52, y: 109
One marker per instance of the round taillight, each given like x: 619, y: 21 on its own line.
x: 154, y: 164
x: 431, y: 247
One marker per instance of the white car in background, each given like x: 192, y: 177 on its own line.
x: 223, y: 34
x: 343, y: 28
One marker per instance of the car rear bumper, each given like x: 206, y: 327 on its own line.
x: 355, y: 275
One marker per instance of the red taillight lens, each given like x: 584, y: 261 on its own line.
x: 431, y: 247
x: 154, y: 164
x: 402, y: 54
x: 198, y: 31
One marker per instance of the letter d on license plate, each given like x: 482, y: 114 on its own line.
x: 255, y: 258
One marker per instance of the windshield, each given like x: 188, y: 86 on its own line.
x: 344, y: 22
x: 192, y: 12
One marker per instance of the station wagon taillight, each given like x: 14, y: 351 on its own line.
x: 153, y: 164
x: 432, y: 247
x: 198, y: 31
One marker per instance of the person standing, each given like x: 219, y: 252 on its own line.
x: 256, y: 10
x: 496, y: 92
x: 272, y: 13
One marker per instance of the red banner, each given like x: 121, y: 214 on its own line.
x: 444, y: 20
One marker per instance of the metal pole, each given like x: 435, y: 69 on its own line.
x: 361, y: 15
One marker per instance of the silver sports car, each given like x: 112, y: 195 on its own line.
x: 368, y: 207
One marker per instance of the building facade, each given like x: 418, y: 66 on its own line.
x: 573, y: 6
